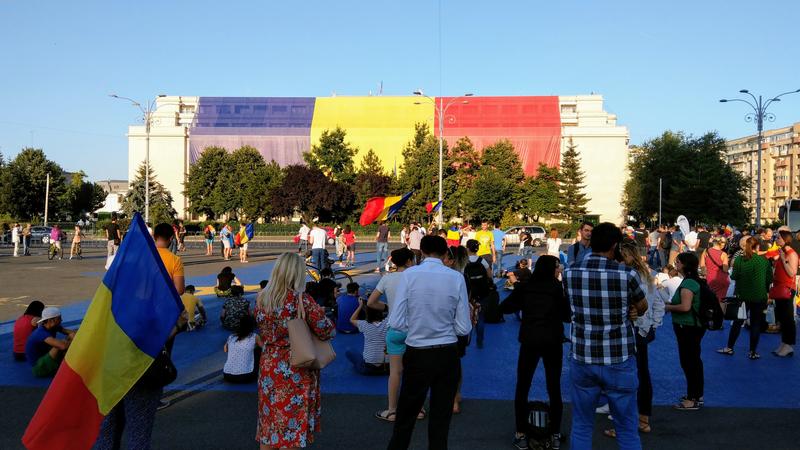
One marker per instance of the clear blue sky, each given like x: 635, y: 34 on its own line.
x: 660, y: 65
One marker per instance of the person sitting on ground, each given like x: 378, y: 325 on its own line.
x: 372, y: 361
x: 234, y: 308
x: 225, y: 280
x: 345, y: 305
x: 244, y: 351
x: 327, y: 289
x: 521, y: 272
x: 43, y: 350
x: 195, y: 311
x: 24, y: 326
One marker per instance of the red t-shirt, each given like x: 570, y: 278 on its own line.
x: 349, y: 238
x: 22, y: 329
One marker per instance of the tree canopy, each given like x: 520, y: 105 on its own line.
x: 333, y: 156
x: 310, y: 193
x: 161, y: 209
x: 573, y: 200
x: 24, y: 183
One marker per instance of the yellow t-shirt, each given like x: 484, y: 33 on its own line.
x: 172, y: 262
x: 485, y: 238
x: 190, y: 303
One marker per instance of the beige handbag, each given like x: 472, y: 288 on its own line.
x: 306, y: 350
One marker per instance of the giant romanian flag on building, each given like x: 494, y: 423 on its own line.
x: 125, y: 327
x: 382, y: 208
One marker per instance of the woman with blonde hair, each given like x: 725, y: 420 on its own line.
x: 289, y: 402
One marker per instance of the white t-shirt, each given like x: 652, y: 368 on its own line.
x: 304, y: 230
x: 553, y: 246
x: 15, y: 234
x: 672, y: 285
x: 388, y: 285
x: 240, y: 355
x: 374, y: 341
x: 319, y: 236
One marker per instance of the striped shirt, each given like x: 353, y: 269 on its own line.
x: 601, y: 292
x: 374, y: 341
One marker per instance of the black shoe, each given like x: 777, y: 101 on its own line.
x: 521, y: 443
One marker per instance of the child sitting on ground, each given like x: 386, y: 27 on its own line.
x: 25, y: 326
x: 195, y: 311
x: 244, y: 352
x: 345, y: 305
x: 372, y: 361
x: 226, y: 280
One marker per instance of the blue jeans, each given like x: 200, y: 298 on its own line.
x: 498, y: 265
x: 382, y: 250
x: 318, y: 256
x: 619, y: 382
x: 480, y: 326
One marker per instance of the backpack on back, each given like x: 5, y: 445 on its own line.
x: 710, y: 313
x: 477, y: 279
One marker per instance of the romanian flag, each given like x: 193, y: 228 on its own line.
x: 382, y: 208
x: 125, y: 328
x: 432, y: 208
x: 246, y: 234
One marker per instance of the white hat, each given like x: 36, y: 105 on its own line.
x: 51, y: 312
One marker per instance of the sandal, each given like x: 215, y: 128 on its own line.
x: 385, y: 415
x: 687, y: 405
x: 753, y: 355
x: 644, y: 427
x: 422, y: 414
x: 725, y: 351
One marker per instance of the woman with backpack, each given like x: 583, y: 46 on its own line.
x: 753, y: 275
x: 689, y: 331
x: 545, y: 309
x: 783, y: 291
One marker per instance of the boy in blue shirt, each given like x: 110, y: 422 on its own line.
x: 346, y: 304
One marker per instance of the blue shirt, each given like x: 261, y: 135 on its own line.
x: 582, y: 252
x: 346, y: 305
x: 498, y: 239
x: 36, y: 347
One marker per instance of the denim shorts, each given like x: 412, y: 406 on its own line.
x: 395, y: 342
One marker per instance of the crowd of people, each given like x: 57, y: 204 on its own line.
x: 613, y: 286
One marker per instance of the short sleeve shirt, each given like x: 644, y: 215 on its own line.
x: 190, y: 304
x: 374, y: 341
x: 414, y: 239
x: 172, y: 262
x: 687, y: 318
x: 388, y: 285
x: 112, y: 229
x: 241, y: 359
x: 485, y: 239
x: 320, y: 236
x: 383, y: 233
x: 346, y: 305
x: 499, y: 235
x: 677, y: 238
x: 36, y: 347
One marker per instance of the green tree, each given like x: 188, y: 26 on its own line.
x: 697, y: 182
x: 24, y: 181
x: 161, y: 209
x: 504, y: 158
x: 490, y: 196
x: 204, y: 186
x: 573, y: 199
x: 248, y: 183
x: 370, y: 164
x: 420, y: 173
x: 542, y: 194
x: 81, y: 197
x: 463, y: 161
x: 314, y: 196
x: 333, y: 156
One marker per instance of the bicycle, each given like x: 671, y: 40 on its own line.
x: 54, y: 250
x: 340, y: 276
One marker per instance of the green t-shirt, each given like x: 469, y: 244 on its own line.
x: 687, y: 318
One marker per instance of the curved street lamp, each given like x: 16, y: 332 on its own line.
x: 441, y: 109
x: 758, y: 116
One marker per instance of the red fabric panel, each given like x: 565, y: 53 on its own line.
x: 532, y: 124
x: 67, y: 417
x: 372, y: 210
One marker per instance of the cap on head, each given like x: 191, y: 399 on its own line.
x: 51, y: 312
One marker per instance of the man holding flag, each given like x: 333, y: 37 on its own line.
x: 134, y: 312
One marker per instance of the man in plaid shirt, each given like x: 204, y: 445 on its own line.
x: 605, y: 297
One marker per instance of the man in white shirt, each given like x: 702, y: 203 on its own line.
x: 432, y: 306
x: 15, y: 235
x: 317, y: 238
x: 414, y: 239
x: 303, y: 234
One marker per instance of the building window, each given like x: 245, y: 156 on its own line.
x: 569, y: 109
x: 260, y: 108
x: 241, y: 109
x: 187, y: 109
x: 279, y: 108
x: 223, y: 109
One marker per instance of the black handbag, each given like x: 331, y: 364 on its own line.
x: 161, y: 372
x: 732, y: 308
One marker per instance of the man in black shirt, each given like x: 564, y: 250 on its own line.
x: 113, y: 236
x: 640, y: 237
x: 703, y: 237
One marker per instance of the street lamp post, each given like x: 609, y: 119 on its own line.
x: 441, y: 110
x: 148, y: 119
x: 758, y: 116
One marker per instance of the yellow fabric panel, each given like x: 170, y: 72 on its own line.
x: 384, y: 124
x: 103, y: 356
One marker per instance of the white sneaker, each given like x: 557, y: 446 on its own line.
x: 603, y: 409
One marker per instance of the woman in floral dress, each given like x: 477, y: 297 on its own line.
x: 289, y: 400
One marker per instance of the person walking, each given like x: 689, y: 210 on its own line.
x: 431, y: 305
x: 581, y: 248
x: 604, y: 295
x: 16, y: 234
x: 75, y: 248
x: 302, y: 247
x: 338, y: 242
x: 645, y: 326
x: 544, y: 310
x: 689, y: 332
x: 289, y: 398
x: 499, y: 248
x: 486, y: 248
x: 317, y: 238
x: 783, y: 291
x: 414, y: 239
x: 113, y: 236
x: 715, y: 261
x: 381, y: 245
x: 349, y: 237
x: 753, y: 275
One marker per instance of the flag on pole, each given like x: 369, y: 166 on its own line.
x: 432, y: 208
x: 382, y: 208
x: 125, y: 328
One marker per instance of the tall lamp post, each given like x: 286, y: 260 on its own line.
x: 148, y: 119
x: 758, y: 116
x: 441, y: 109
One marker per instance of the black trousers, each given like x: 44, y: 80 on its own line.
x: 689, y: 339
x: 553, y: 358
x: 437, y: 370
x: 644, y: 397
x: 784, y: 314
x: 756, y: 310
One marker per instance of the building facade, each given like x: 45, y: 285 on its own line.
x: 780, y: 167
x: 115, y: 194
x: 283, y: 128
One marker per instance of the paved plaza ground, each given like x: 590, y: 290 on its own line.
x: 749, y: 404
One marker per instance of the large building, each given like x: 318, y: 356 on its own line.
x: 283, y: 128
x: 780, y: 167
